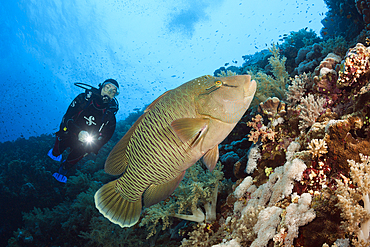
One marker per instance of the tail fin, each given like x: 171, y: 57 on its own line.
x: 115, y: 208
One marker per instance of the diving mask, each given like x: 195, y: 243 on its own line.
x: 110, y: 90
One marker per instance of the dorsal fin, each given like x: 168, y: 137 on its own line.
x: 155, y: 101
x: 117, y: 162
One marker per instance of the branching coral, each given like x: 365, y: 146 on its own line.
x: 354, y: 201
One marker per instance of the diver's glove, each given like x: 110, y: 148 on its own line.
x: 84, y: 136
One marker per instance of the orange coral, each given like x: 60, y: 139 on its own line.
x: 260, y: 131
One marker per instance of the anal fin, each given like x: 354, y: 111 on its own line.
x: 157, y: 193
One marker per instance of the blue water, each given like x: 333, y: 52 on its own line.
x: 147, y: 46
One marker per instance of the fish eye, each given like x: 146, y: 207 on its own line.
x: 218, y: 83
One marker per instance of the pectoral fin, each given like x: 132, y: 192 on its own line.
x: 157, y: 193
x: 187, y: 128
x: 210, y: 158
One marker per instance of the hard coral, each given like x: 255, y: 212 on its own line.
x: 326, y: 76
x: 317, y: 147
x: 356, y: 67
x: 272, y: 107
x: 308, y: 58
x: 343, y: 143
x: 329, y: 63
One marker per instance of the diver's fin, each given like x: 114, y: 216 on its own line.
x: 117, y: 161
x: 210, y: 158
x: 157, y: 193
x: 187, y: 128
x: 61, y: 175
x: 155, y: 101
x: 115, y: 208
x: 56, y: 158
x: 61, y: 178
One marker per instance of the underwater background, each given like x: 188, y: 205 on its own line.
x: 294, y: 171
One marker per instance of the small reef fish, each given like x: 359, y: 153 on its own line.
x: 175, y: 131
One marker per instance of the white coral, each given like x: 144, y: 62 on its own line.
x: 231, y: 243
x: 279, y: 185
x: 298, y: 214
x: 296, y: 90
x: 292, y: 149
x: 311, y: 108
x: 253, y: 157
x: 243, y: 186
x: 268, y: 220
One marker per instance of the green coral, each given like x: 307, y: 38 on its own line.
x: 271, y: 86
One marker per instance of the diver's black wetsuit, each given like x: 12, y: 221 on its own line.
x: 87, y: 112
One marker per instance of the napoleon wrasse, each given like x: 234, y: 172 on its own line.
x: 176, y: 130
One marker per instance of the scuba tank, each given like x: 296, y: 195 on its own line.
x: 113, y: 104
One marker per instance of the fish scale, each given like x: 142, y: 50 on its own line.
x: 175, y: 131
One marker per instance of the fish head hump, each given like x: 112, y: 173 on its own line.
x: 226, y: 98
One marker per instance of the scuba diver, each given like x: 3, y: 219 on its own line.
x: 88, y: 124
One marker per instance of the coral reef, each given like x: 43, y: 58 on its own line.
x: 294, y: 172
